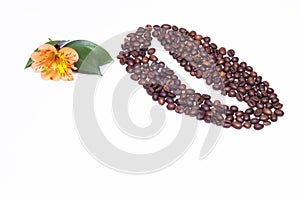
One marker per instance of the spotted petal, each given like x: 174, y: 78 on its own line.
x: 44, y: 57
x: 70, y: 55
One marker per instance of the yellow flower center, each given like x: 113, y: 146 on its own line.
x: 62, y: 64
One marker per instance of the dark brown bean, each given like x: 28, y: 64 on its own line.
x: 239, y: 96
x: 247, y: 125
x: 161, y: 100
x: 171, y: 106
x: 254, y: 121
x: 264, y: 118
x: 226, y: 124
x: 179, y: 109
x: 230, y: 52
x: 251, y: 103
x: 267, y: 111
x: 258, y: 126
x: 151, y: 51
x: 237, y: 125
x: 249, y: 111
x: 153, y: 58
x: 279, y: 112
x: 273, y: 117
x: 266, y: 123
x: 258, y: 112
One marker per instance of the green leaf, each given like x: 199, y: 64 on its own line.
x: 91, y: 56
x: 53, y: 42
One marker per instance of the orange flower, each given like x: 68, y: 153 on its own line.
x: 54, y: 64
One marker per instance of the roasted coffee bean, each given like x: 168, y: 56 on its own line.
x: 226, y: 124
x: 169, y: 100
x: 201, y: 115
x: 229, y: 112
x: 205, y: 107
x: 236, y: 124
x: 171, y: 106
x: 247, y: 125
x: 230, y: 52
x: 251, y: 103
x: 254, y: 120
x: 153, y: 58
x: 239, y: 96
x: 134, y: 77
x: 258, y: 126
x: 206, y: 96
x: 249, y: 111
x: 260, y: 105
x: 179, y: 109
x: 239, y: 113
x: 246, y: 117
x: 279, y: 112
x: 267, y: 111
x: 151, y: 51
x: 234, y: 108
x: 273, y: 117
x: 264, y: 118
x: 239, y: 119
x: 155, y: 96
x: 266, y: 123
x: 229, y: 118
x: 277, y: 105
x: 231, y: 93
x: 258, y: 112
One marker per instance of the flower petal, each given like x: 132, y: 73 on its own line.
x: 69, y: 54
x: 44, y: 56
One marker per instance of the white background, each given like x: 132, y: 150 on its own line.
x: 41, y: 156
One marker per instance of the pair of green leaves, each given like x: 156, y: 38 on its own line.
x: 91, y: 55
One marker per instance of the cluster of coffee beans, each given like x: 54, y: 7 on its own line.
x: 202, y: 59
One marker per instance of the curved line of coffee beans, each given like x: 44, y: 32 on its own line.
x: 202, y: 59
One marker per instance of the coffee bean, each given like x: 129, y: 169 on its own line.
x: 264, y: 118
x: 151, y: 51
x: 249, y: 111
x: 229, y: 118
x: 190, y: 91
x: 247, y: 125
x: 226, y: 124
x: 230, y: 52
x: 267, y: 111
x: 267, y: 123
x: 234, y: 108
x: 246, y: 117
x: 260, y: 105
x: 171, y: 106
x: 258, y: 112
x: 237, y: 125
x: 169, y: 100
x: 134, y: 77
x: 279, y: 112
x: 273, y: 117
x: 277, y: 105
x: 258, y: 126
x: 254, y: 121
x: 161, y: 100
x: 153, y: 58
x: 155, y: 96
x: 179, y: 109
x: 239, y: 119
x: 239, y: 96
x: 201, y: 115
x: 231, y: 93
x: 251, y: 103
